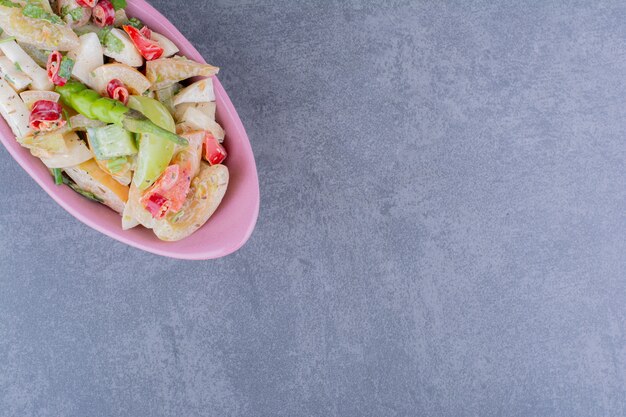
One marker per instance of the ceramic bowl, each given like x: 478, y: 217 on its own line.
x: 229, y: 227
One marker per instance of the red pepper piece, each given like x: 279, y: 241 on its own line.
x: 169, y: 192
x: 148, y: 48
x: 53, y: 67
x: 46, y: 116
x: 103, y: 13
x: 157, y: 205
x: 117, y: 91
x: 87, y: 3
x: 214, y: 151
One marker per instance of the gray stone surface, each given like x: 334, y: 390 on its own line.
x: 442, y: 229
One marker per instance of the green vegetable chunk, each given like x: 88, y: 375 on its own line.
x: 136, y: 23
x: 65, y: 70
x: 111, y: 142
x: 110, y: 41
x: 38, y: 12
x: 118, y: 4
x: 90, y: 104
x: 58, y: 176
x: 155, y: 153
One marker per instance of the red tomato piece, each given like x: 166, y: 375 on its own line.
x: 148, y: 48
x: 214, y: 151
x: 169, y: 192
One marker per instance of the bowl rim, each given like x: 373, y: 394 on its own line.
x: 159, y: 247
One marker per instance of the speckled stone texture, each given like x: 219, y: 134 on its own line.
x: 442, y: 229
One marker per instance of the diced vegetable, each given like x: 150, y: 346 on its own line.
x: 38, y: 32
x: 16, y: 78
x: 155, y: 152
x: 169, y: 48
x: 123, y: 49
x: 16, y: 54
x: 46, y: 116
x: 214, y: 151
x: 87, y: 57
x: 89, y: 103
x: 164, y: 72
x: 111, y: 141
x: 80, y: 122
x: 14, y: 110
x: 77, y: 153
x: 205, y: 195
x: 198, y: 92
x: 197, y: 120
x: 89, y: 177
x: 168, y: 193
x: 208, y: 109
x: 166, y: 95
x: 192, y: 153
x: 142, y: 39
x: 118, y: 168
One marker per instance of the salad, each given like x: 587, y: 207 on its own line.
x: 113, y: 111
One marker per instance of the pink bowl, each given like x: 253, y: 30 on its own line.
x: 229, y: 227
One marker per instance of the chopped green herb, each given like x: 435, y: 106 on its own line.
x: 18, y: 66
x: 9, y: 39
x: 118, y: 4
x: 58, y: 175
x: 110, y: 41
x: 9, y: 79
x: 9, y: 3
x: 136, y: 23
x: 65, y: 70
x: 76, y: 13
x: 115, y: 165
x: 38, y: 12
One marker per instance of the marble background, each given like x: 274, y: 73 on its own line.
x: 442, y: 229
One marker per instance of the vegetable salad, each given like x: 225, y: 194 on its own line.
x: 108, y: 106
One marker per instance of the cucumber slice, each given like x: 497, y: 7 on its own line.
x: 111, y: 142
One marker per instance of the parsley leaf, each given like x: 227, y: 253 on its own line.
x: 110, y: 41
x: 76, y: 13
x: 65, y: 70
x: 136, y: 23
x: 118, y: 4
x: 9, y: 3
x: 38, y: 12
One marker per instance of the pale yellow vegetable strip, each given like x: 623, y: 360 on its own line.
x: 37, y: 32
x: 16, y: 54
